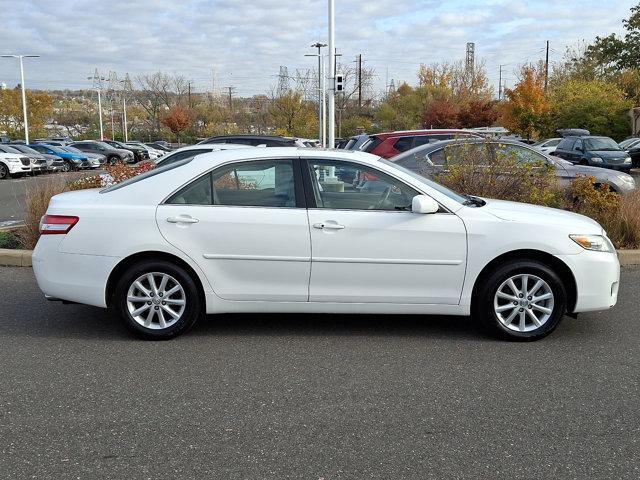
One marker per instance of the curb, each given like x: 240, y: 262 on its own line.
x: 629, y: 257
x: 15, y: 258
x: 22, y: 258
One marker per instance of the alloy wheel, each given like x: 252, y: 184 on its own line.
x: 523, y: 303
x: 4, y: 171
x: 156, y: 300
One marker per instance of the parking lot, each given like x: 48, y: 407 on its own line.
x: 12, y: 192
x: 317, y: 397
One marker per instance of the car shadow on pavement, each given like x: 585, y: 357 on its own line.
x: 338, y: 325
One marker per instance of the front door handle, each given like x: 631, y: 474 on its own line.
x: 182, y: 219
x: 328, y: 226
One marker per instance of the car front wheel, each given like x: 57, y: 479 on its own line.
x: 157, y: 300
x: 4, y: 171
x: 521, y: 300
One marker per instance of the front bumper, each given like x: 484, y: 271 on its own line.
x: 18, y: 168
x: 597, y: 276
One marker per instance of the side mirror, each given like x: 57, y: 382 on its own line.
x: 424, y: 204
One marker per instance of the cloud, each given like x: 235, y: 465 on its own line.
x: 246, y: 42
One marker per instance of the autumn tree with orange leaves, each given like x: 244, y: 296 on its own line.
x: 177, y: 119
x: 527, y: 106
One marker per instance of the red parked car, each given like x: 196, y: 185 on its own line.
x: 390, y: 144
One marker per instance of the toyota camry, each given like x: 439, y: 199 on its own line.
x: 289, y: 230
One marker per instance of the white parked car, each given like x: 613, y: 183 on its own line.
x: 154, y: 154
x: 191, y: 151
x: 276, y: 230
x: 547, y: 146
x: 13, y: 164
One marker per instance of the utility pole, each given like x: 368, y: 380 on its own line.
x: 24, y: 93
x: 126, y: 86
x: 189, y: 94
x: 231, y: 89
x: 359, y: 82
x: 319, y: 46
x: 500, y: 84
x: 546, y: 68
x: 332, y: 75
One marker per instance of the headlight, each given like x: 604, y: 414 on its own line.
x: 597, y: 243
x: 596, y: 159
x: 627, y: 159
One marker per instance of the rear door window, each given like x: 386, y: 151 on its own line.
x: 403, y: 144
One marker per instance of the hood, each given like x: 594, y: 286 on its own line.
x: 526, y: 213
x: 609, y: 153
x: 122, y: 151
x: 596, y: 172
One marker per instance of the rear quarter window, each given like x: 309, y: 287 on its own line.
x: 566, y: 144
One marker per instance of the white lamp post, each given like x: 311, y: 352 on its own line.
x: 24, y: 95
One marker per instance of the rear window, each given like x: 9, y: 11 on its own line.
x: 370, y: 144
x: 144, y: 176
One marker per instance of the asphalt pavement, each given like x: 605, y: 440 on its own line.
x: 315, y: 396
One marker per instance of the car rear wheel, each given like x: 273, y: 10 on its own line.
x: 522, y: 300
x: 66, y: 167
x: 4, y: 171
x: 157, y: 300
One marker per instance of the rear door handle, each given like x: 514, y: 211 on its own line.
x: 182, y: 219
x: 328, y: 226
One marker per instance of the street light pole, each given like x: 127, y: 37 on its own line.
x: 331, y: 108
x: 97, y: 86
x: 24, y: 95
x: 100, y: 114
x: 320, y: 91
x: 124, y: 114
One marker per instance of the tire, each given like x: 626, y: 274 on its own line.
x: 584, y: 162
x: 67, y: 166
x: 4, y: 171
x: 113, y: 159
x: 152, y: 310
x: 495, y: 311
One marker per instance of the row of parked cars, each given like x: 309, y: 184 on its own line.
x: 60, y: 154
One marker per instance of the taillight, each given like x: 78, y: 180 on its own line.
x: 57, y: 224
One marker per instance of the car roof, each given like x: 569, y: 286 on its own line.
x: 266, y: 137
x: 400, y: 133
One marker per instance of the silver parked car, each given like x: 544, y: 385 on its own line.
x: 432, y: 159
x: 54, y: 163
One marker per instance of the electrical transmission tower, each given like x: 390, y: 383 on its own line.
x: 283, y: 81
x: 470, y: 60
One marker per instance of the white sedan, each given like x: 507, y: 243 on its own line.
x: 289, y: 230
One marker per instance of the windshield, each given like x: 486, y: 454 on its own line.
x: 7, y: 149
x: 25, y: 149
x: 601, y: 144
x: 72, y: 150
x: 436, y: 186
x: 55, y: 149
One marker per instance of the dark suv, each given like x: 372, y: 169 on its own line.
x: 390, y: 144
x: 594, y: 151
x: 255, y: 140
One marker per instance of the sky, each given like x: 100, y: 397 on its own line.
x: 222, y: 43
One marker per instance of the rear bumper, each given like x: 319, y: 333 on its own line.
x: 597, y: 276
x: 71, y: 277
